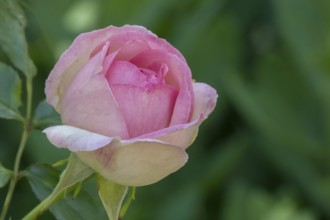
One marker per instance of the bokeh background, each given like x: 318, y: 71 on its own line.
x: 264, y: 154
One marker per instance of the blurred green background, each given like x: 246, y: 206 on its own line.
x: 264, y: 154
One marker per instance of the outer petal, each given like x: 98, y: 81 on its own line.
x: 76, y: 139
x: 184, y: 134
x: 74, y: 58
x: 130, y: 33
x: 89, y: 104
x: 136, y: 163
x: 205, y: 100
x: 71, y: 61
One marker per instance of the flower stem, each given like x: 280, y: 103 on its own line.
x: 41, y: 208
x: 24, y: 138
x: 14, y: 178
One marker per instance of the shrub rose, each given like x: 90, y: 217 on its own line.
x: 128, y: 104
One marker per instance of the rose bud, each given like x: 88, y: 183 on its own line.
x: 128, y: 104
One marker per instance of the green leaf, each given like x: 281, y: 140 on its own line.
x: 44, y: 178
x: 258, y: 204
x: 12, y: 36
x: 45, y: 115
x: 5, y: 175
x: 112, y: 196
x: 10, y: 92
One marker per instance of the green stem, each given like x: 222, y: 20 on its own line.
x: 29, y: 90
x: 14, y: 178
x: 24, y: 138
x: 42, y: 207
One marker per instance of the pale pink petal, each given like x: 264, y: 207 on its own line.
x: 136, y: 163
x: 184, y: 134
x: 71, y: 61
x: 132, y: 48
x: 178, y: 75
x: 153, y: 41
x: 145, y: 109
x: 205, y: 99
x: 181, y: 135
x: 142, y: 39
x: 89, y: 103
x: 76, y: 139
x: 124, y: 72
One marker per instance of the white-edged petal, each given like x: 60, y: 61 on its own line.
x: 76, y: 139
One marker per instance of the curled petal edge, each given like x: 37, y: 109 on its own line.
x: 127, y: 162
x: 76, y: 139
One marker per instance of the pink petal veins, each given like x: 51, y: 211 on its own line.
x: 145, y: 109
x: 82, y: 106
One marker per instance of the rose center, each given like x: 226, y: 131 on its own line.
x: 144, y: 99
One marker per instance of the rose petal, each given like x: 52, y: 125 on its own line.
x: 178, y: 75
x: 139, y: 39
x: 76, y: 139
x: 82, y: 106
x: 153, y: 41
x: 124, y: 72
x: 183, y: 135
x: 205, y: 99
x: 136, y: 163
x: 132, y: 48
x: 145, y: 109
x: 71, y: 61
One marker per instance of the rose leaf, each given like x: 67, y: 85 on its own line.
x: 45, y: 116
x: 10, y: 92
x: 12, y: 37
x: 5, y: 175
x: 52, y: 189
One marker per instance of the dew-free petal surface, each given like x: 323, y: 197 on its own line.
x: 76, y: 139
x: 89, y: 103
x: 136, y: 163
x: 184, y: 134
x: 145, y: 110
x: 178, y: 75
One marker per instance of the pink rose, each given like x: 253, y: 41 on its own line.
x: 128, y: 104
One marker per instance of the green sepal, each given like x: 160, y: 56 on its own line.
x: 112, y: 196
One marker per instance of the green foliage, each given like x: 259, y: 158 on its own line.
x: 49, y: 188
x: 43, y: 179
x: 10, y: 92
x: 5, y: 175
x: 256, y: 204
x: 45, y: 115
x: 264, y: 152
x: 12, y: 36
